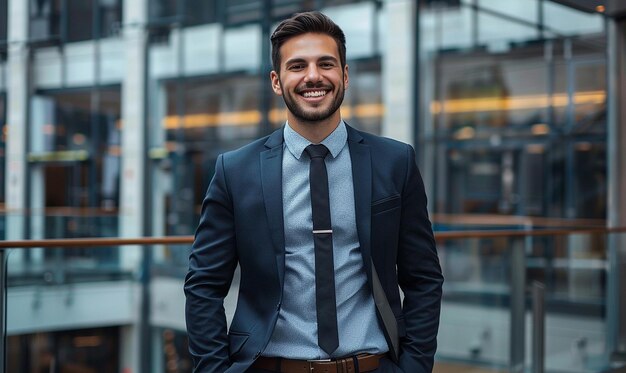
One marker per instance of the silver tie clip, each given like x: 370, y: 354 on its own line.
x: 323, y: 231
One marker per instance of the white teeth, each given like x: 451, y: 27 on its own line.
x: 314, y: 94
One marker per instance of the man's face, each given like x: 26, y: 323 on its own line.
x: 311, y: 80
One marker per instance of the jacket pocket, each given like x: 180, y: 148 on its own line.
x: 236, y: 340
x: 385, y: 204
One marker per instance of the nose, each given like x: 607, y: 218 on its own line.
x: 312, y: 74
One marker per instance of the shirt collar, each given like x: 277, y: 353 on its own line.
x: 334, y: 142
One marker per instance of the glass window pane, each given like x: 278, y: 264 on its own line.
x: 242, y: 11
x: 564, y: 20
x: 524, y: 10
x: 212, y: 111
x: 110, y: 17
x: 83, y: 350
x: 74, y: 165
x: 499, y: 95
x: 478, y: 278
x: 362, y: 107
x: 590, y: 97
x: 449, y: 29
x: 198, y: 12
x: 506, y: 123
x: 591, y: 179
x: 45, y: 19
x: 203, y: 118
x: 498, y: 32
x: 55, y: 122
x: 79, y: 20
x: 162, y: 9
x: 358, y: 22
x: 282, y: 9
x: 242, y: 48
x: 3, y: 20
x: 175, y: 351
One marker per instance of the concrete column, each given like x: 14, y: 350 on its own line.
x: 132, y: 180
x: 398, y: 65
x: 37, y: 218
x: 133, y: 142
x: 616, y: 138
x: 41, y: 113
x: 17, y: 121
x: 129, y: 349
x: 161, y: 179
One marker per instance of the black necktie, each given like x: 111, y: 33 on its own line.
x: 327, y: 335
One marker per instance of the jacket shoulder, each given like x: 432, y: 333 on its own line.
x: 244, y: 153
x: 382, y: 144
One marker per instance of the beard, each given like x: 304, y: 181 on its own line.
x: 316, y: 114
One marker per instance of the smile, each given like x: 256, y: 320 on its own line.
x: 314, y: 94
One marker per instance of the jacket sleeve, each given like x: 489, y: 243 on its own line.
x: 211, y: 266
x: 419, y: 276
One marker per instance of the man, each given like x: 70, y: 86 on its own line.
x: 325, y: 222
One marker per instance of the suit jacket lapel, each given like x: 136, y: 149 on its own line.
x: 271, y: 178
x: 362, y: 180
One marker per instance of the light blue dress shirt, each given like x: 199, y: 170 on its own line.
x: 295, y: 334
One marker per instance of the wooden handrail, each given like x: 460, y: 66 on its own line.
x: 96, y: 242
x: 177, y: 240
x: 498, y: 220
x: 463, y: 219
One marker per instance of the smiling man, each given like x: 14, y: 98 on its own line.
x: 325, y: 223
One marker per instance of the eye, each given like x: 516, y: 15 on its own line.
x: 327, y: 65
x: 296, y: 67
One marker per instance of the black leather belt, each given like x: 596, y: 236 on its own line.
x: 364, y: 362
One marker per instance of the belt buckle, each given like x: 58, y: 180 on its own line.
x: 311, y: 362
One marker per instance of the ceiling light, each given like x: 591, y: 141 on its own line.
x: 465, y: 133
x: 540, y: 129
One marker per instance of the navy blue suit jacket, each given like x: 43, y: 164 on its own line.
x: 242, y: 223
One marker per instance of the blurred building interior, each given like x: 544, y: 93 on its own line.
x: 113, y: 113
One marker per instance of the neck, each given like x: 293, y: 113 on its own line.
x: 315, y: 132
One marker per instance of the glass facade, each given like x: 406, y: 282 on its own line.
x: 80, y: 351
x: 175, y: 354
x: 518, y: 117
x: 75, y: 154
x: 188, y: 13
x: 203, y: 119
x: 515, y: 132
x: 208, y: 99
x: 63, y: 21
x: 507, y: 110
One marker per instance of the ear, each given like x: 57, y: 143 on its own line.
x: 276, y: 87
x: 346, y: 80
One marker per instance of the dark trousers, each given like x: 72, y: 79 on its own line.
x: 386, y: 366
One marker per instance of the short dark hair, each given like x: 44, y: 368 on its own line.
x: 302, y: 23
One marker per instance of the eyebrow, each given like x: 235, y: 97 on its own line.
x: 301, y: 60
